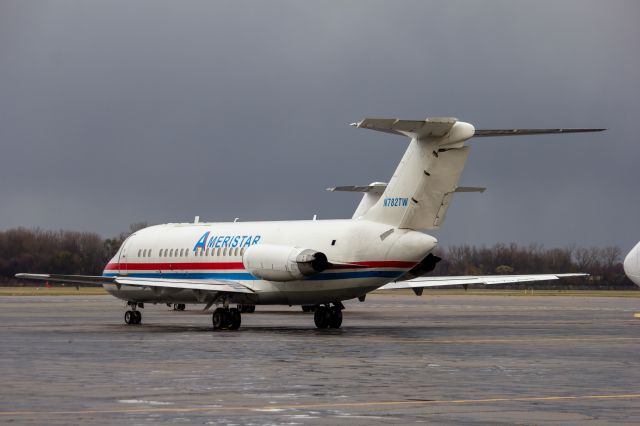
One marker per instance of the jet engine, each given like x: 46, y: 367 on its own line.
x: 425, y: 266
x: 283, y: 263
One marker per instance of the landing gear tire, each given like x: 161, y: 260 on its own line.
x: 235, y: 319
x: 325, y: 317
x: 226, y: 318
x: 132, y: 317
x: 321, y: 317
x: 179, y: 306
x: 335, y: 317
x: 219, y: 318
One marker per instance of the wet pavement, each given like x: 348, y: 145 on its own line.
x: 397, y: 359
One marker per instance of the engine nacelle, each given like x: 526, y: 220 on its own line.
x: 425, y: 266
x: 283, y: 263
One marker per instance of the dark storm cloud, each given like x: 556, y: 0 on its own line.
x: 116, y: 112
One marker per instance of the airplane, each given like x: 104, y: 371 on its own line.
x: 312, y: 263
x: 632, y: 264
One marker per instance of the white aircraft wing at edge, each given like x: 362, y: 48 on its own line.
x: 225, y: 286
x: 424, y: 282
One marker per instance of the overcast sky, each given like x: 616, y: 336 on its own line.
x: 116, y: 112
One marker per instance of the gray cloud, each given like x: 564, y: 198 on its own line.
x: 116, y: 112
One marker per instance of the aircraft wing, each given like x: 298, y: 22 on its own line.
x: 225, y: 286
x: 424, y: 282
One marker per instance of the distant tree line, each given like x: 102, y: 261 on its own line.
x: 86, y: 253
x: 58, y: 252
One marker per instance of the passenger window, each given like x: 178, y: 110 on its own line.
x: 149, y: 253
x: 242, y: 251
x: 207, y: 253
x: 235, y: 252
x: 181, y: 252
x: 218, y: 252
x: 224, y: 252
x: 139, y: 251
x: 171, y: 253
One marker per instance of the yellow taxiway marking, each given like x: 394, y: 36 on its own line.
x: 271, y: 408
x: 636, y: 315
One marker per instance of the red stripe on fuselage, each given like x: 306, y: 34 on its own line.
x: 239, y: 265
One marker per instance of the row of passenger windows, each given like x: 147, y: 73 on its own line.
x: 220, y: 251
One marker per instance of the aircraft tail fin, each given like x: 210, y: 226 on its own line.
x: 420, y: 190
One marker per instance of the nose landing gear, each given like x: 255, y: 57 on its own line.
x: 133, y: 316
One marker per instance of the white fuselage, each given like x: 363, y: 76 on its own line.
x: 364, y: 256
x: 632, y: 264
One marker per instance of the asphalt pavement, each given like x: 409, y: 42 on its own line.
x: 397, y: 359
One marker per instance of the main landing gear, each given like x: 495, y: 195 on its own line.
x: 328, y: 316
x: 229, y: 318
x: 179, y: 306
x: 133, y: 316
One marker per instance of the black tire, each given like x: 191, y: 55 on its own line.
x: 235, y: 319
x: 306, y: 308
x: 251, y: 309
x: 129, y: 317
x: 181, y: 306
x: 137, y: 317
x: 335, y: 318
x: 242, y: 308
x: 321, y: 317
x: 219, y: 319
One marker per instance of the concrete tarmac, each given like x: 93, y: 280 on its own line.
x: 398, y: 359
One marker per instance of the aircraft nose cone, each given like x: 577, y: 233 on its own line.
x: 632, y: 264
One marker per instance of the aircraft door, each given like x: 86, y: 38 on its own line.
x: 124, y: 260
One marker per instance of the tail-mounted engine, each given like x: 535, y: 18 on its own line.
x: 283, y: 263
x: 425, y: 266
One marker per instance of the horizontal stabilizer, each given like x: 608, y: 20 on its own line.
x: 372, y: 187
x: 470, y: 189
x: 380, y: 186
x: 430, y: 127
x: 480, y: 133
